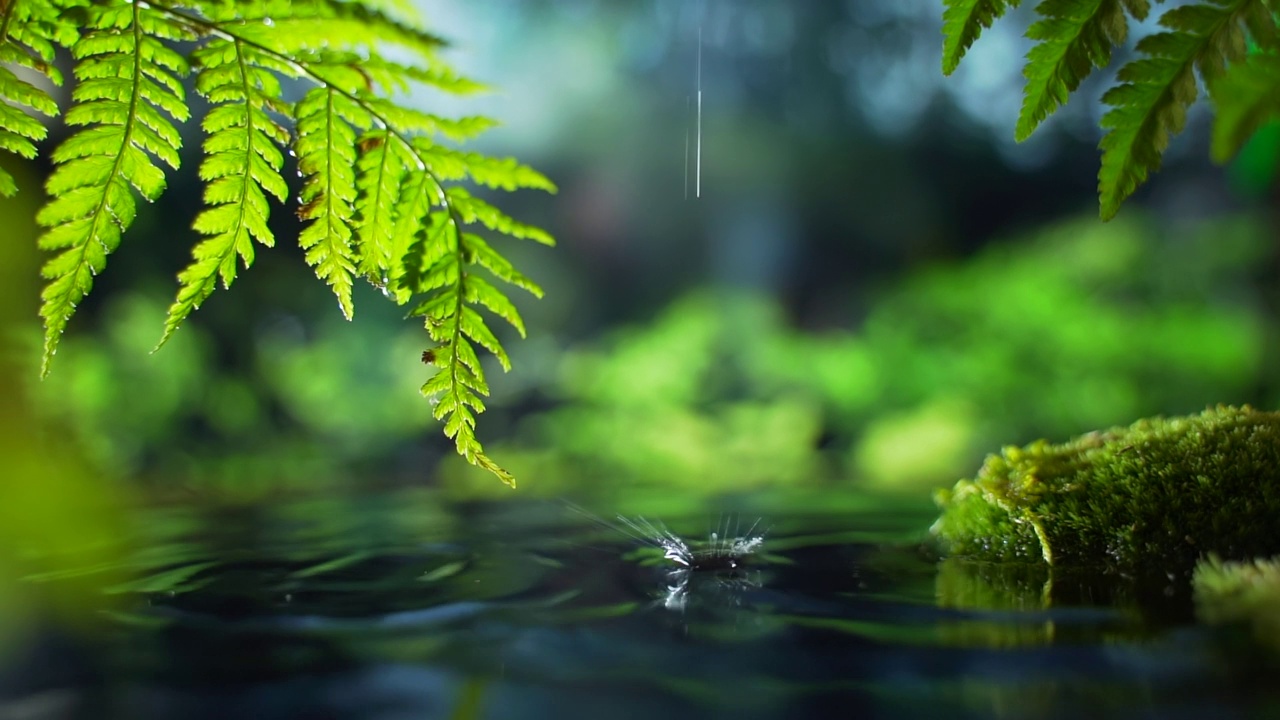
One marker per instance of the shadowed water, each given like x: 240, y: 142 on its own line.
x: 400, y: 607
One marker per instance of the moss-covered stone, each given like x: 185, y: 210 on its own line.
x: 1154, y: 496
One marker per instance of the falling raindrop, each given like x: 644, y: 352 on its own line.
x: 697, y: 186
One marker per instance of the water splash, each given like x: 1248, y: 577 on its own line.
x: 726, y: 546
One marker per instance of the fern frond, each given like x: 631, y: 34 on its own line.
x: 474, y: 210
x: 411, y: 121
x: 294, y: 28
x: 29, y: 32
x: 381, y: 170
x: 1073, y: 37
x: 127, y: 78
x: 445, y: 258
x: 498, y: 173
x: 1150, y: 105
x: 459, y: 384
x: 414, y: 238
x: 1138, y: 9
x: 482, y: 293
x: 479, y: 252
x: 326, y: 149
x: 241, y: 166
x: 19, y: 132
x: 373, y: 196
x: 963, y: 21
x: 1247, y: 95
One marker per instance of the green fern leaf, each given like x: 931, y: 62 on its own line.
x: 497, y: 173
x: 1150, y: 104
x: 373, y: 197
x: 293, y: 27
x: 127, y: 77
x: 19, y: 132
x: 474, y: 327
x: 474, y: 210
x: 413, y: 121
x: 1246, y: 96
x: 963, y: 21
x: 326, y: 149
x: 382, y: 168
x: 1139, y: 9
x: 1074, y: 37
x: 442, y: 253
x: 481, y: 292
x: 31, y: 32
x: 241, y: 166
x: 28, y: 34
x: 486, y: 257
x: 415, y: 238
x: 459, y: 384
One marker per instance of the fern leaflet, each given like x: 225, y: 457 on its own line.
x: 447, y: 253
x: 381, y: 168
x: 28, y: 33
x: 1247, y: 95
x: 127, y: 76
x: 1074, y: 37
x: 327, y: 154
x: 1150, y: 105
x: 963, y: 21
x: 241, y: 166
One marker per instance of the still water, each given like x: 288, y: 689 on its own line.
x: 405, y: 606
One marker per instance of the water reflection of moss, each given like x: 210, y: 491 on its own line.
x: 1155, y: 496
x: 1241, y: 593
x: 991, y: 589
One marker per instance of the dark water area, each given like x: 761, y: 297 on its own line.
x: 404, y: 607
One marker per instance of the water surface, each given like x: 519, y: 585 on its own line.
x: 401, y: 606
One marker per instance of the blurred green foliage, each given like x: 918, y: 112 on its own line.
x: 1074, y: 327
x: 55, y: 513
x: 309, y: 408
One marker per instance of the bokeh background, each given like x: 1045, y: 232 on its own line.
x: 865, y: 283
x: 869, y: 287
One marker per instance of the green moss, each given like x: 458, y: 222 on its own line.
x: 1155, y: 496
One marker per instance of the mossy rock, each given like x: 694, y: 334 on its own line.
x: 1155, y: 496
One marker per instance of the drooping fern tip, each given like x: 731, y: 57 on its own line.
x: 383, y: 195
x: 1208, y: 40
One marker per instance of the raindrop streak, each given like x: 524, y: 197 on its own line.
x: 697, y: 185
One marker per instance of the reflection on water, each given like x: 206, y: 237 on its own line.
x: 397, y: 606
